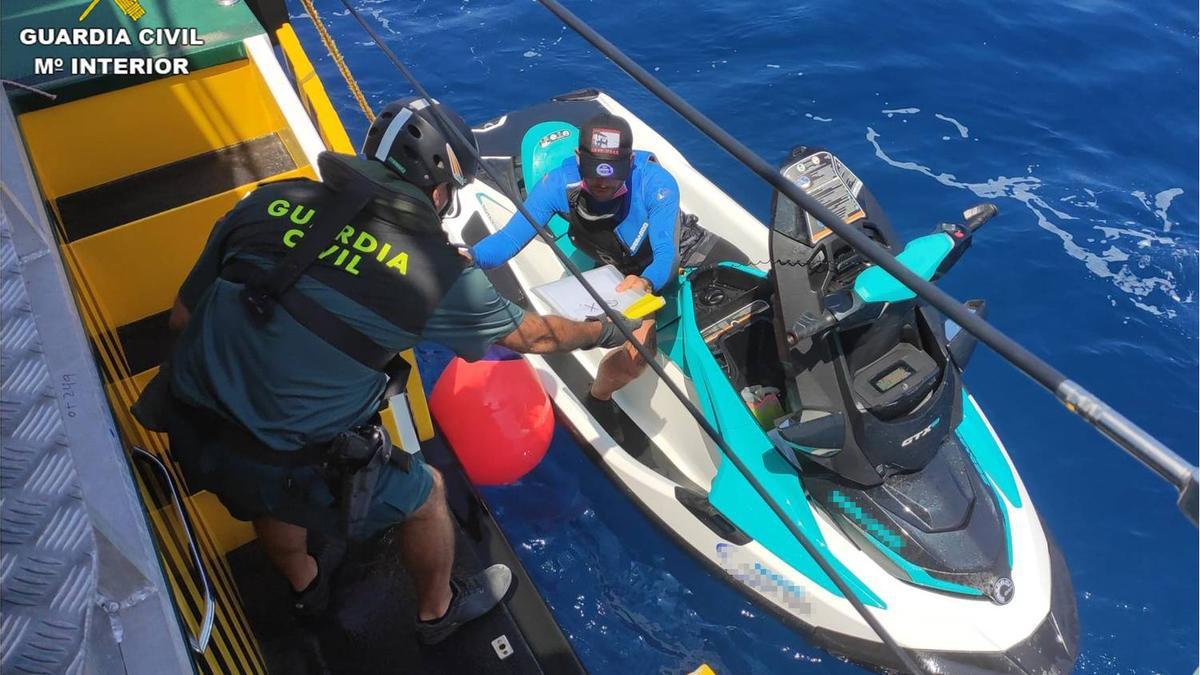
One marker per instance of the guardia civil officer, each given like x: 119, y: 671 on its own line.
x: 286, y: 324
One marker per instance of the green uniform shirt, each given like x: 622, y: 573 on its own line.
x: 282, y: 382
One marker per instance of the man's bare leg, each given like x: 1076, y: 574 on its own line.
x: 427, y: 546
x: 623, y: 364
x: 286, y: 546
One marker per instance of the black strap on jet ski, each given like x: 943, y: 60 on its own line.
x: 264, y: 289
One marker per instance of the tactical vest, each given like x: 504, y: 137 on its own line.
x: 596, y: 235
x: 390, y: 257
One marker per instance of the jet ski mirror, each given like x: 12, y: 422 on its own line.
x: 959, y: 342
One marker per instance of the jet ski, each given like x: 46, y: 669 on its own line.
x: 837, y: 389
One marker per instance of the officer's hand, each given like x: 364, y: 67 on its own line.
x: 636, y: 282
x: 465, y: 252
x: 610, y: 335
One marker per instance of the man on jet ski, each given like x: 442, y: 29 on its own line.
x: 623, y: 210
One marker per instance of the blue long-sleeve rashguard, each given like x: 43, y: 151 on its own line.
x: 653, y: 216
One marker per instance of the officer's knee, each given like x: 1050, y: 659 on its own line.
x: 439, y: 485
x: 436, y: 499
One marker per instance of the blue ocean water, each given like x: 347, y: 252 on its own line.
x: 1077, y: 117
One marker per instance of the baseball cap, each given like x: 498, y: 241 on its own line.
x: 605, y: 146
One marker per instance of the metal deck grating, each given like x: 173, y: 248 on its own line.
x: 47, y: 549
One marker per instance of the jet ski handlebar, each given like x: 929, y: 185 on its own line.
x: 844, y: 308
x: 810, y: 325
x: 850, y: 307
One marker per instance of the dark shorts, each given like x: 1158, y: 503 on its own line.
x: 298, y: 495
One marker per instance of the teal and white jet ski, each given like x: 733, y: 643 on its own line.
x: 837, y: 389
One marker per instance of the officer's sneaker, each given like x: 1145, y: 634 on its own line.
x: 314, y: 600
x: 473, y: 597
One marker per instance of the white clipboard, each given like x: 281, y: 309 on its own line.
x: 570, y: 300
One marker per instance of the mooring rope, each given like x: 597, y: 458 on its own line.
x: 332, y: 48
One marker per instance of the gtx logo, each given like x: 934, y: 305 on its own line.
x: 920, y: 434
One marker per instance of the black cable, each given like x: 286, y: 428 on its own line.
x: 615, y: 317
x: 1133, y: 439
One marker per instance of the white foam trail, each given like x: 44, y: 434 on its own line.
x: 962, y: 129
x: 1146, y: 238
x: 1080, y: 202
x: 1114, y: 254
x: 375, y: 13
x: 1162, y: 202
x: 1023, y: 188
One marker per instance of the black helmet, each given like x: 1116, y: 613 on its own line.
x: 406, y: 138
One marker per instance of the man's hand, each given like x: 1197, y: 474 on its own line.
x: 633, y: 281
x: 465, y: 252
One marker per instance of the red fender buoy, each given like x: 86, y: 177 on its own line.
x: 495, y: 416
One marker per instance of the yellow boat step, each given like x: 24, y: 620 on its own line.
x: 227, y: 533
x: 172, y: 185
x: 135, y: 270
x: 139, y: 128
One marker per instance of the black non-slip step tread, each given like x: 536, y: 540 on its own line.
x: 146, y: 342
x: 162, y: 188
